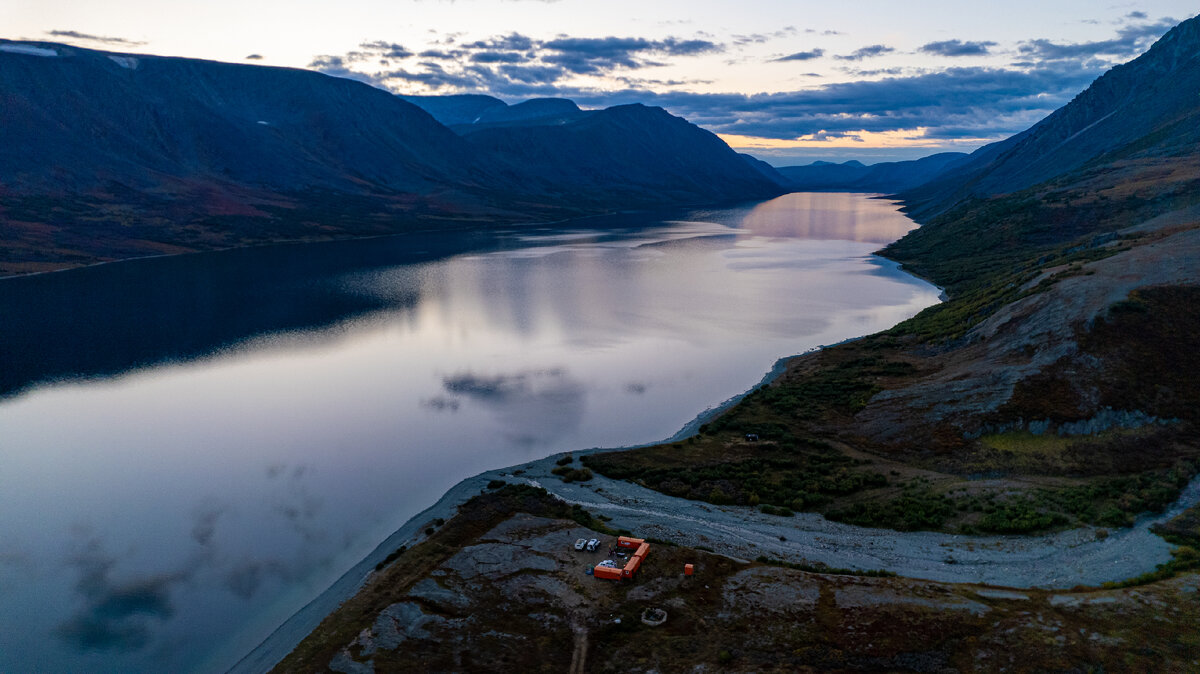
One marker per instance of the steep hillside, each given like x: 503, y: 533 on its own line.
x: 1147, y: 107
x: 768, y: 171
x: 149, y: 123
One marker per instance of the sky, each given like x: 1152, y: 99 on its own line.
x: 787, y: 81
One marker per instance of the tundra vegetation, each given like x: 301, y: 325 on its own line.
x: 992, y: 471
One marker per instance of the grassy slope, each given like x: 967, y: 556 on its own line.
x: 986, y: 253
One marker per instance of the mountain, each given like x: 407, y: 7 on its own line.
x: 1141, y: 108
x: 853, y: 176
x: 110, y: 156
x: 466, y: 113
x: 769, y: 172
x: 78, y: 120
x: 632, y: 155
x: 458, y: 108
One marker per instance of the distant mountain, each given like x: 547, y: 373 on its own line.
x: 631, y: 155
x: 534, y: 112
x: 465, y: 113
x: 108, y: 156
x: 1145, y: 107
x: 458, y: 108
x: 854, y: 176
x: 769, y: 172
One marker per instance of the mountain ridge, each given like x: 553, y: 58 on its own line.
x: 132, y: 155
x: 1152, y: 92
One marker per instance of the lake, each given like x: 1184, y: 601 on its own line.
x: 193, y: 447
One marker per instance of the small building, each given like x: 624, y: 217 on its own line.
x: 641, y: 549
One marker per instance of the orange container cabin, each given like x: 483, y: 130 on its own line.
x: 688, y: 569
x: 635, y: 562
x: 607, y: 573
x: 631, y: 567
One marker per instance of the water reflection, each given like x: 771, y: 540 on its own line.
x: 810, y: 215
x: 225, y: 434
x: 535, y: 408
x: 111, y: 319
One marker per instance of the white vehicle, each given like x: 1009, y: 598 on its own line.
x: 592, y: 545
x: 580, y: 543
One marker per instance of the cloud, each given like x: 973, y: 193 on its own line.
x: 254, y: 57
x: 498, y: 57
x: 760, y: 38
x: 504, y: 62
x: 1130, y: 40
x: 376, y: 52
x: 803, y: 55
x: 582, y: 55
x: 205, y: 526
x: 379, y: 48
x: 866, y: 52
x: 535, y: 407
x: 76, y: 35
x: 957, y: 48
x: 955, y: 104
x: 441, y: 404
x: 512, y: 41
x: 116, y: 616
x: 246, y: 577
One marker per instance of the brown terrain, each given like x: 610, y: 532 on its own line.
x: 502, y: 589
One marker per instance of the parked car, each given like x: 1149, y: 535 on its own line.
x: 580, y: 543
x: 593, y: 544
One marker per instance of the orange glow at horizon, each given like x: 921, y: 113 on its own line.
x: 861, y: 139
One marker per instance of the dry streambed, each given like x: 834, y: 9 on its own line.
x: 1060, y: 560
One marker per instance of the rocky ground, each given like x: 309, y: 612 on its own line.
x: 517, y: 597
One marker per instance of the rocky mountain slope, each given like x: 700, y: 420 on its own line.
x: 1146, y: 107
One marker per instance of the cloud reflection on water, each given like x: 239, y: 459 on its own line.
x: 535, y: 407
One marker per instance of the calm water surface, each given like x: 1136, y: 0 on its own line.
x: 191, y: 448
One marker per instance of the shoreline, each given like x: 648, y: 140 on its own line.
x: 260, y: 658
x: 472, y: 227
x: 1061, y: 560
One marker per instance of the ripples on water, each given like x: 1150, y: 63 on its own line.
x: 193, y: 447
